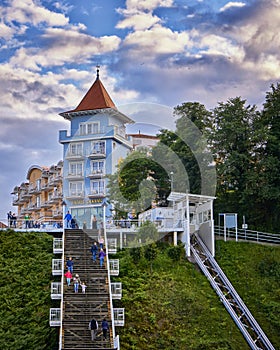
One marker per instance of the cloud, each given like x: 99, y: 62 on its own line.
x: 232, y: 4
x: 133, y: 6
x: 27, y: 11
x: 139, y: 21
x: 62, y: 46
x: 157, y: 40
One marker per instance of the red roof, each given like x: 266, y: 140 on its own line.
x: 96, y: 98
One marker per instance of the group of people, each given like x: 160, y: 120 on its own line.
x: 71, y: 221
x: 12, y: 219
x: 98, y: 251
x: 93, y: 327
x: 76, y: 279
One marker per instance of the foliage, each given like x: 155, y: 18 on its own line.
x: 137, y: 182
x: 176, y: 253
x: 253, y: 271
x: 175, y: 307
x: 25, y: 260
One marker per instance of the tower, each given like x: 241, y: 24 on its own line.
x: 92, y: 150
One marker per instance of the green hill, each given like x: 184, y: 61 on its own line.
x: 168, y: 303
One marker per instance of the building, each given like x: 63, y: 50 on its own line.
x: 96, y: 142
x: 143, y: 141
x: 40, y: 197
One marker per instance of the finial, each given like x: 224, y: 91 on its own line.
x: 97, y: 71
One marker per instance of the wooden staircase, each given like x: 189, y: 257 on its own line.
x: 79, y: 308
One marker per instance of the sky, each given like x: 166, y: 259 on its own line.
x: 153, y: 55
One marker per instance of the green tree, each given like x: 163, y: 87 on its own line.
x: 234, y: 141
x: 139, y: 181
x: 269, y: 166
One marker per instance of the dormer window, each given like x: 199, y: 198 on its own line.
x: 89, y: 128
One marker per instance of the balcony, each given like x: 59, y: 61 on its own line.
x: 35, y: 190
x: 97, y: 153
x: 116, y: 290
x: 74, y: 156
x: 57, y: 214
x: 56, y: 290
x: 46, y: 204
x: 25, y: 195
x: 112, y: 245
x: 119, y: 316
x: 74, y: 176
x: 96, y: 194
x: 114, y: 267
x: 75, y: 195
x: 57, y: 267
x: 55, y: 317
x: 55, y: 198
x: 57, y: 245
x: 96, y: 173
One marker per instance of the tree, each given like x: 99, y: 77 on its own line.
x: 139, y: 181
x: 234, y: 143
x: 269, y: 165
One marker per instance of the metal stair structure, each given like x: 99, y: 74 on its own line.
x: 78, y: 308
x: 252, y: 332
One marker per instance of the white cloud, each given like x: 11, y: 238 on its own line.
x: 232, y: 4
x: 27, y: 11
x: 144, y: 5
x: 217, y: 45
x: 139, y: 21
x: 64, y: 46
x: 158, y: 40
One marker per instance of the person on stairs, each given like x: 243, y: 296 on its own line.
x: 101, y: 257
x: 94, y: 251
x: 93, y: 327
x: 105, y: 328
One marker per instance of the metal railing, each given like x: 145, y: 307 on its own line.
x: 244, y: 320
x: 247, y: 235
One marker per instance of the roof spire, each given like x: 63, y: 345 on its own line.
x: 97, y: 71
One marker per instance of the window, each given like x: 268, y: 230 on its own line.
x: 76, y: 188
x: 76, y: 168
x: 38, y: 184
x: 97, y: 187
x: 98, y: 147
x: 98, y: 167
x: 76, y: 149
x: 89, y: 128
x: 38, y: 201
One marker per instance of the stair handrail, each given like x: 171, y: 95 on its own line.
x: 221, y: 274
x: 108, y: 273
x: 62, y: 293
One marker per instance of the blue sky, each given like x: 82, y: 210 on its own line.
x: 157, y: 53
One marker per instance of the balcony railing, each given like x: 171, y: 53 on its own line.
x: 55, y: 317
x: 112, y: 245
x: 56, y: 290
x: 95, y: 193
x: 57, y: 245
x: 114, y: 267
x: 116, y: 290
x: 119, y: 316
x: 57, y: 267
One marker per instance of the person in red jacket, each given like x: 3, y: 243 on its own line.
x: 68, y: 276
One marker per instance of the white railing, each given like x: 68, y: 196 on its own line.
x: 112, y: 245
x: 57, y: 245
x: 114, y: 267
x: 119, y: 317
x: 116, y: 290
x: 57, y: 267
x: 247, y: 235
x: 55, y: 317
x: 56, y: 290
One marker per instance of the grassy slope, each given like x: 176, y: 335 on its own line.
x: 254, y: 271
x: 25, y: 274
x: 173, y: 308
